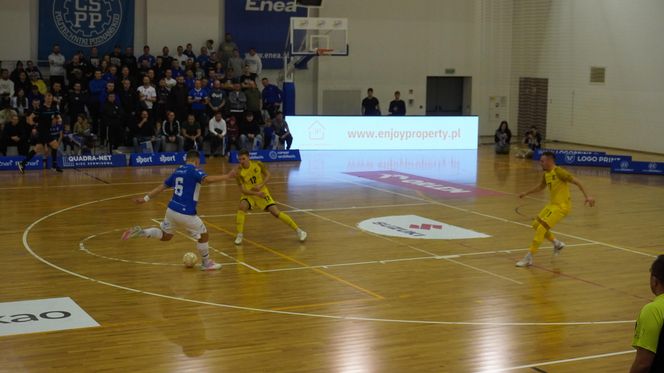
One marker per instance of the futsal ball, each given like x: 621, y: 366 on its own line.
x: 189, y: 259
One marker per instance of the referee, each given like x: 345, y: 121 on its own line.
x: 648, y: 340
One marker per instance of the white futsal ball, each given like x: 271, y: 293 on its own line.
x: 189, y: 259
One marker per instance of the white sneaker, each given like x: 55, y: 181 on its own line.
x: 238, y: 238
x: 131, y: 233
x: 210, y: 265
x: 526, y: 261
x: 557, y: 246
x: 301, y: 235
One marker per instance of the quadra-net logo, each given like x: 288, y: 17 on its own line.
x: 270, y: 6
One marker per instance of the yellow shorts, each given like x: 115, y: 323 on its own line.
x: 258, y: 203
x: 552, y: 214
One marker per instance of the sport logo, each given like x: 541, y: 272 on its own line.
x: 87, y: 23
x: 417, y: 227
x: 167, y: 158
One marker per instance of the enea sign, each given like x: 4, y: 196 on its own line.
x: 645, y: 168
x: 43, y: 315
x: 417, y: 227
x: 383, y: 132
x: 269, y: 156
x: 93, y: 161
x: 160, y: 159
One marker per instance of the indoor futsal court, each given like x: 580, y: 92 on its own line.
x: 346, y: 299
x: 403, y: 143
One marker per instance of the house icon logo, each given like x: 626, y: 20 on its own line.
x: 316, y: 131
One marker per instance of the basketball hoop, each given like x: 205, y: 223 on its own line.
x: 324, y: 51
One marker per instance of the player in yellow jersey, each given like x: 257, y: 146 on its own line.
x: 557, y: 180
x: 252, y: 177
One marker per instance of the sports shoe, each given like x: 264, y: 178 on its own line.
x: 526, y: 261
x: 210, y: 265
x: 21, y: 167
x: 557, y: 246
x: 238, y: 239
x: 131, y: 233
x: 301, y: 235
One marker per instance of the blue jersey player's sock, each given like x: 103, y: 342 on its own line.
x: 204, y: 250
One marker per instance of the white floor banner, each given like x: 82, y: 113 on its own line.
x: 413, y: 226
x: 43, y: 315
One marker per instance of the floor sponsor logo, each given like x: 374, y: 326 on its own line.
x: 434, y: 187
x: 417, y: 227
x: 43, y: 315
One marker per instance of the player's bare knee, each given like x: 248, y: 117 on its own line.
x: 204, y: 238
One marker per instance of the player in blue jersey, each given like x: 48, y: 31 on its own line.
x: 186, y: 182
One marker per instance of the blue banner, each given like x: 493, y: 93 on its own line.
x: 11, y: 163
x: 268, y: 156
x: 93, y: 161
x: 262, y: 24
x: 160, y: 159
x: 83, y: 24
x: 538, y: 153
x: 593, y: 160
x: 645, y: 168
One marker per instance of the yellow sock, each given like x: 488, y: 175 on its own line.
x: 239, y: 220
x: 288, y: 220
x: 540, y: 232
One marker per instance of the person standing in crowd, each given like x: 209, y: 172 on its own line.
x: 236, y: 63
x: 272, y: 97
x: 253, y: 61
x: 112, y: 122
x: 281, y: 131
x: 198, y: 100
x: 45, y: 122
x: 146, y: 56
x: 226, y: 48
x: 370, y: 105
x: 56, y: 64
x: 6, y: 87
x: 397, y: 106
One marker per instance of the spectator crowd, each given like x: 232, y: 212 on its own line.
x: 163, y: 102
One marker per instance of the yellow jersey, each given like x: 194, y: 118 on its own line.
x: 557, y: 182
x: 252, y: 175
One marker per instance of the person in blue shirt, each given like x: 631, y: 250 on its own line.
x: 186, y: 182
x: 146, y: 56
x: 198, y: 99
x: 271, y: 97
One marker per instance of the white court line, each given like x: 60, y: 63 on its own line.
x: 556, y: 362
x: 27, y: 247
x: 217, y: 251
x: 386, y: 261
x: 83, y: 248
x: 325, y: 209
x: 494, y: 217
x: 409, y: 246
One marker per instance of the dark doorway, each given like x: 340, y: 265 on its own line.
x: 533, y: 104
x: 448, y: 95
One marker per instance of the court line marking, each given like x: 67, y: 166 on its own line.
x: 84, y: 248
x: 28, y: 248
x: 324, y: 209
x: 438, y: 257
x: 296, y: 261
x: 237, y: 261
x: 556, y: 362
x: 389, y: 239
x: 493, y: 217
x: 320, y: 304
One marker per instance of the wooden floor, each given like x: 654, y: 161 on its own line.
x: 346, y: 300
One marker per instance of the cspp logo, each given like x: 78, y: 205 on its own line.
x: 417, y: 227
x: 87, y: 23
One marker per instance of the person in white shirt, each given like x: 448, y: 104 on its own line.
x: 181, y: 57
x: 56, y: 62
x: 253, y: 61
x: 147, y: 95
x: 217, y: 134
x: 6, y: 87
